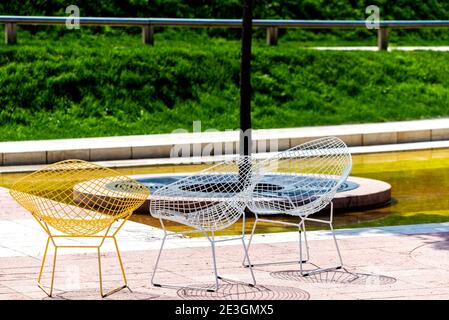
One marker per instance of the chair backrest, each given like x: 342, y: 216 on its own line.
x: 210, y: 200
x: 302, y: 180
x: 79, y: 198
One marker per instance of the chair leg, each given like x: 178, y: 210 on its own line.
x: 336, y: 246
x: 246, y: 257
x: 217, y: 277
x: 300, y: 251
x: 43, y: 260
x: 214, y: 260
x: 99, y: 271
x: 121, y: 264
x: 212, y: 241
x: 245, y: 250
x: 157, y: 261
x: 298, y: 225
x: 304, y: 231
x: 249, y: 263
x: 50, y: 293
x: 104, y: 295
x: 318, y: 270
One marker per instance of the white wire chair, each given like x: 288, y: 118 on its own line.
x: 208, y: 201
x: 304, y: 180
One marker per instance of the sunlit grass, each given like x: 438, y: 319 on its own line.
x: 107, y: 84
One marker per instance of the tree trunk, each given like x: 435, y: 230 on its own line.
x: 245, y: 79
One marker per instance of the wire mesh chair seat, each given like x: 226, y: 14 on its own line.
x: 78, y: 199
x: 210, y: 219
x: 292, y: 207
x: 73, y: 220
x: 75, y: 224
x: 208, y: 201
x: 312, y: 173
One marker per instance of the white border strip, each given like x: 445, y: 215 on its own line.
x: 415, y: 146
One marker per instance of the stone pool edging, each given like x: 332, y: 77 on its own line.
x: 159, y: 146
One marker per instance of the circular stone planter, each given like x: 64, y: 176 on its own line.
x: 355, y: 194
x: 370, y: 193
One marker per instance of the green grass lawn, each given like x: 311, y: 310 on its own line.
x: 83, y: 84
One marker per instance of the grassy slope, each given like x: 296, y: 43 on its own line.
x: 111, y: 85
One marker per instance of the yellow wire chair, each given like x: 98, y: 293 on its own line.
x: 77, y: 199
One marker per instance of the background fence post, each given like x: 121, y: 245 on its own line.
x: 272, y: 36
x: 10, y: 33
x: 382, y: 39
x: 148, y: 35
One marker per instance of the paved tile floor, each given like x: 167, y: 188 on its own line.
x: 404, y: 262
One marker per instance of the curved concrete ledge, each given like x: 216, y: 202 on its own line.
x: 212, y: 143
x: 370, y: 193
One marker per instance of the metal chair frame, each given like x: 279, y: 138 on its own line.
x: 314, y: 206
x: 211, y: 238
x: 50, y: 195
x: 301, y: 230
x: 157, y: 210
x: 52, y: 238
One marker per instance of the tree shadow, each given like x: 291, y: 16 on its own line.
x: 441, y: 244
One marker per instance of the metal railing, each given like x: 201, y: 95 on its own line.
x: 272, y: 26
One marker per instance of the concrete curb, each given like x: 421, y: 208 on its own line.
x: 265, y: 140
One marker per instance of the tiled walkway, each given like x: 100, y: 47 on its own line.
x: 391, y: 263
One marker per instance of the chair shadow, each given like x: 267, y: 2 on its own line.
x: 93, y: 294
x: 230, y: 290
x: 342, y: 276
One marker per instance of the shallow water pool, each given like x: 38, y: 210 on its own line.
x: 420, y: 190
